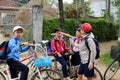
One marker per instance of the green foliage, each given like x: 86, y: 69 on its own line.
x: 48, y: 27
x: 27, y: 35
x: 71, y: 12
x: 106, y: 59
x: 103, y: 30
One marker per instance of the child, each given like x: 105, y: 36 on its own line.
x: 59, y: 47
x: 13, y: 56
x: 87, y: 62
x: 75, y: 59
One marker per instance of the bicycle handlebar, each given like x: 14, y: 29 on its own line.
x: 68, y: 54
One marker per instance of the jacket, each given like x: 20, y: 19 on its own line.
x: 15, y: 49
x: 84, y: 52
x: 58, y: 45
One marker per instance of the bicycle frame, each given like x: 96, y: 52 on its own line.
x: 34, y: 55
x: 6, y: 72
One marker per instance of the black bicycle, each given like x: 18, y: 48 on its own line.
x: 114, y: 66
x: 71, y: 69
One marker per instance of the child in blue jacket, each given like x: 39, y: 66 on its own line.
x: 14, y: 54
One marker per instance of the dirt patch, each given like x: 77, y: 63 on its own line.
x: 106, y: 46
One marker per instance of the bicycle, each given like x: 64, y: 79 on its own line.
x: 39, y: 72
x: 71, y: 69
x: 114, y: 66
x: 4, y: 70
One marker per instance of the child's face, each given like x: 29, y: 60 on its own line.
x: 82, y: 33
x: 78, y: 34
x: 58, y: 34
x: 18, y: 33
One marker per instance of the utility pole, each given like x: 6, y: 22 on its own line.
x: 37, y: 17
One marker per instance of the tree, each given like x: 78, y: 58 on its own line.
x: 61, y: 13
x: 72, y: 12
x: 83, y: 8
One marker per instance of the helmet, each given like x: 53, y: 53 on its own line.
x: 86, y: 27
x: 18, y: 27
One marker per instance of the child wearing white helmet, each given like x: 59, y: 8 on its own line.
x: 14, y: 54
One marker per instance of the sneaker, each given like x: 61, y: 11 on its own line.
x: 14, y: 79
x: 67, y: 78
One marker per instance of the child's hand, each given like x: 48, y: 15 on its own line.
x: 25, y: 43
x: 72, y: 43
x: 90, y: 66
x: 59, y: 55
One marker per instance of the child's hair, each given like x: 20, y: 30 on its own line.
x: 78, y: 29
x: 57, y: 29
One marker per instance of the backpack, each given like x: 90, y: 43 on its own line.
x: 4, y: 50
x: 49, y: 50
x: 97, y: 47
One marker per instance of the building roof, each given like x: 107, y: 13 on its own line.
x: 8, y: 3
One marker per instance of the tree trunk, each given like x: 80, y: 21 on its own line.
x: 83, y: 9
x: 61, y: 13
x: 37, y: 12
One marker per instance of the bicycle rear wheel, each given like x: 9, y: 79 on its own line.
x: 97, y: 74
x: 111, y: 70
x: 2, y: 77
x: 44, y: 74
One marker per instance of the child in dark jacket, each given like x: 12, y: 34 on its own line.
x: 14, y: 54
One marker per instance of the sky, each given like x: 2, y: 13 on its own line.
x: 68, y: 1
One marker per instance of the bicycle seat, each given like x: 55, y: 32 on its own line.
x: 44, y: 41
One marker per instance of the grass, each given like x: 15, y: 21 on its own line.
x: 106, y: 59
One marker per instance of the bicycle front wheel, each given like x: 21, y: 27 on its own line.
x: 44, y: 75
x: 111, y: 70
x: 97, y: 74
x: 2, y: 77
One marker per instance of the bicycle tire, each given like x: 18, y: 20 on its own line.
x: 2, y: 77
x: 111, y: 70
x: 97, y: 74
x: 36, y: 76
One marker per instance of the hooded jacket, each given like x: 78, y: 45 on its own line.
x: 84, y: 52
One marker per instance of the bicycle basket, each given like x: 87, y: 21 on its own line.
x: 43, y: 62
x: 115, y: 52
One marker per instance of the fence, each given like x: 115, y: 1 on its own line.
x: 12, y: 16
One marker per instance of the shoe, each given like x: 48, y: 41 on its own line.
x: 67, y: 78
x: 14, y: 79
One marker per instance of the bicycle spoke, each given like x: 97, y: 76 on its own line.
x: 111, y: 70
x: 45, y: 76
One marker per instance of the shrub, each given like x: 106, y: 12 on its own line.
x: 102, y: 29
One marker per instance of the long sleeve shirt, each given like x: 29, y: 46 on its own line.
x: 76, y: 41
x: 15, y: 49
x: 84, y: 52
x: 58, y: 45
